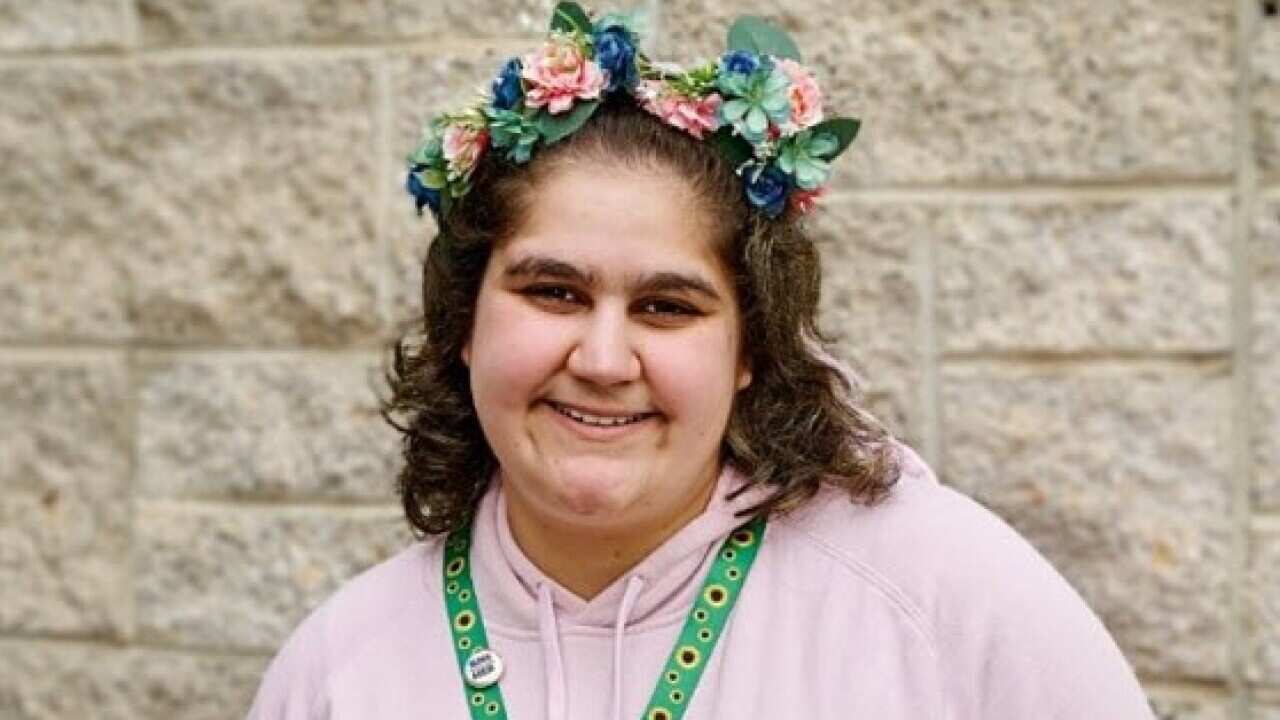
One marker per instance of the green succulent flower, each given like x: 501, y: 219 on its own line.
x: 804, y: 156
x: 513, y: 132
x: 755, y: 101
x: 695, y: 82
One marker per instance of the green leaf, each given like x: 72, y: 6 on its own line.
x: 433, y: 177
x: 844, y: 130
x: 757, y: 35
x: 731, y: 147
x: 569, y: 17
x: 554, y: 127
x: 823, y: 144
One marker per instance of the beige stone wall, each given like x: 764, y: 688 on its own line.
x: 1054, y: 252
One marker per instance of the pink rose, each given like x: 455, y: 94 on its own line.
x: 691, y: 114
x: 558, y: 74
x: 462, y: 147
x: 805, y: 201
x: 806, y: 98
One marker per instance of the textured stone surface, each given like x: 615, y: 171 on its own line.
x: 243, y: 578
x: 81, y: 681
x: 64, y: 24
x: 192, y: 22
x: 871, y: 300
x: 64, y: 506
x: 1122, y: 276
x: 242, y: 196
x: 1001, y: 90
x: 1266, y: 355
x: 1187, y: 705
x: 189, y: 201
x: 498, y: 18
x: 1119, y: 477
x: 1262, y: 595
x: 265, y: 427
x: 1265, y: 86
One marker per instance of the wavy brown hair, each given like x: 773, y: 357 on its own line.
x: 798, y: 424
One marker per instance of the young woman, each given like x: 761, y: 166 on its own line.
x: 643, y: 487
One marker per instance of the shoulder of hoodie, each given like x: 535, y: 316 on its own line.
x: 366, y: 615
x: 948, y: 564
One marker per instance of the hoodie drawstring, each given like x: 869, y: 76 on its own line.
x: 549, y: 634
x: 634, y: 586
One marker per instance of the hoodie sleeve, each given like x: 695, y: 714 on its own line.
x: 295, y: 683
x: 1020, y: 642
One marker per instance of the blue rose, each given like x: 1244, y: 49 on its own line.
x: 616, y: 54
x: 422, y: 195
x: 767, y: 190
x: 739, y: 62
x: 506, y: 87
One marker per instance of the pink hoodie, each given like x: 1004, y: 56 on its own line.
x: 924, y: 606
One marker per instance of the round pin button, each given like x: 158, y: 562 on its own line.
x: 483, y: 668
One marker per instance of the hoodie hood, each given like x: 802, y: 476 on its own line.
x: 670, y: 576
x: 520, y: 599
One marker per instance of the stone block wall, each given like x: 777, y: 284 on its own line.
x: 1054, y: 254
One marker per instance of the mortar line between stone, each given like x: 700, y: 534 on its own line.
x: 239, y: 355
x: 45, y: 640
x: 82, y: 354
x: 925, y: 253
x: 58, y: 355
x: 1066, y: 360
x: 382, y: 150
x: 249, y: 51
x: 71, y: 350
x: 1217, y: 689
x: 1241, y: 314
x: 133, y: 425
x: 962, y: 192
x: 350, y: 508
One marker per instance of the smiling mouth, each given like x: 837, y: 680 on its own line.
x: 598, y: 420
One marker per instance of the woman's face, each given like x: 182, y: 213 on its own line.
x: 606, y: 350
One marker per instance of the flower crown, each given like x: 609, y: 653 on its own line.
x: 757, y: 104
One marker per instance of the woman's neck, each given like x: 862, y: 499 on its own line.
x: 584, y: 559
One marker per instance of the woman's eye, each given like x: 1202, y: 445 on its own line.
x: 556, y: 293
x: 666, y: 307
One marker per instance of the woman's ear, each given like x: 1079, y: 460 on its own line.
x: 744, y: 376
x: 466, y: 353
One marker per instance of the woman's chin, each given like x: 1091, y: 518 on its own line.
x: 595, y: 497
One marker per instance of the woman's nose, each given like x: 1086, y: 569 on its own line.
x: 603, y: 353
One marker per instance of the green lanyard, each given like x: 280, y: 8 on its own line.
x: 702, y: 628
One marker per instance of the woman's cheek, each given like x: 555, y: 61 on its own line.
x: 691, y: 376
x: 518, y: 349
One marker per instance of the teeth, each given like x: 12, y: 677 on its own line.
x: 596, y: 420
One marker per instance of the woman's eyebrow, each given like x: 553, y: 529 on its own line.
x: 663, y: 281
x: 542, y: 266
x: 673, y: 282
